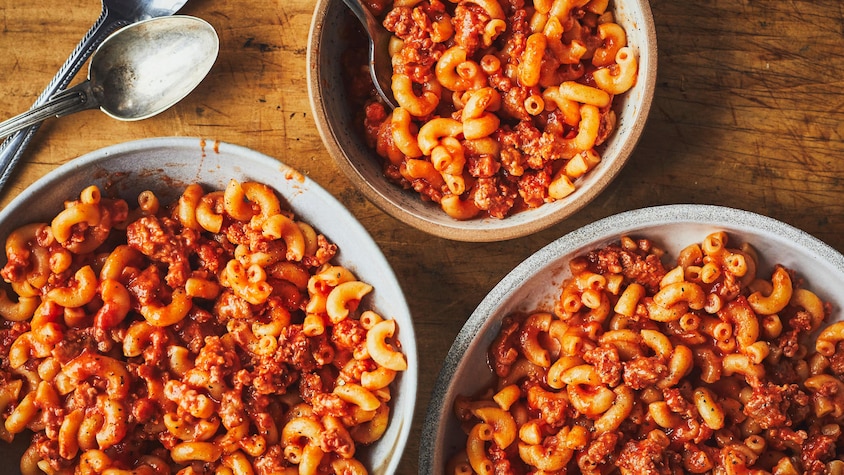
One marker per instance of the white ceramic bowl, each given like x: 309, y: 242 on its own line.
x: 362, y: 166
x: 535, y: 284
x: 166, y: 166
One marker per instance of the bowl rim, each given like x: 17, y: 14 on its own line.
x: 296, y: 183
x: 479, y: 229
x: 592, y: 235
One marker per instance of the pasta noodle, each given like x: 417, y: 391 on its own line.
x: 645, y: 390
x: 215, y: 335
x: 538, y: 78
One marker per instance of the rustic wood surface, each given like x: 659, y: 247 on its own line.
x: 749, y: 113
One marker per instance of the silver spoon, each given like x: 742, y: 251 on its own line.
x: 115, y: 14
x: 136, y: 73
x: 380, y: 63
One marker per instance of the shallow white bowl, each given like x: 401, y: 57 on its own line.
x: 166, y: 165
x: 535, y: 284
x: 326, y: 86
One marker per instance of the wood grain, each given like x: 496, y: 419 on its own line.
x: 749, y: 113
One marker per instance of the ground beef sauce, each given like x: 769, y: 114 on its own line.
x: 531, y: 147
x: 612, y: 395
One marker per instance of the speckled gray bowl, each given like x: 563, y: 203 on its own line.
x: 326, y: 86
x: 166, y: 165
x: 535, y: 284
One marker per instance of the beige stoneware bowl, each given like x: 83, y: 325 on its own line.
x: 535, y: 284
x: 326, y: 84
x: 165, y: 166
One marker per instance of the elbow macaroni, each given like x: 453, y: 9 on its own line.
x: 554, y: 75
x: 214, y: 333
x: 667, y: 379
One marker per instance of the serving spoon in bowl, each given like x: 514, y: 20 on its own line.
x: 136, y: 73
x: 115, y: 14
x: 380, y: 63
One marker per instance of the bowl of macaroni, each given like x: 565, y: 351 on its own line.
x: 673, y: 339
x: 170, y: 304
x: 508, y: 120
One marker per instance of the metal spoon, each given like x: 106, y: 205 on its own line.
x: 380, y: 63
x: 136, y: 73
x: 115, y: 14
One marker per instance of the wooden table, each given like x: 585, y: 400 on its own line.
x: 749, y: 113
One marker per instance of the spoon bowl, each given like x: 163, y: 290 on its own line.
x: 136, y: 73
x: 152, y: 65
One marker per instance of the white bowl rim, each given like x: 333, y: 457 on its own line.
x: 302, y: 182
x: 587, y: 237
x: 484, y: 229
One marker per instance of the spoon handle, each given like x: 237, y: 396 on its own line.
x: 380, y: 63
x: 75, y: 99
x: 12, y: 148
